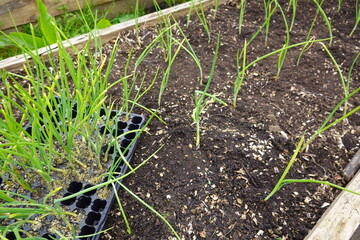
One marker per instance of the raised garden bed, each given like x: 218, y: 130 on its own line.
x: 216, y: 191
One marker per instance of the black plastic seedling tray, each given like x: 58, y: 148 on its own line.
x: 94, y: 208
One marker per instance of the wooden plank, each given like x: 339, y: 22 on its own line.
x: 110, y: 8
x: 352, y: 167
x: 341, y: 220
x: 25, y: 11
x: 110, y: 32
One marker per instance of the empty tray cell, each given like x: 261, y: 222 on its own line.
x: 113, y: 114
x: 121, y: 125
x: 133, y: 127
x: 98, y: 205
x: 28, y: 130
x: 83, y: 202
x: 136, y: 120
x: 117, y: 171
x: 130, y: 135
x: 12, y: 236
x: 118, y: 132
x: 75, y: 187
x: 104, y: 130
x: 102, y: 112
x: 110, y: 150
x: 87, y: 230
x: 68, y: 202
x: 125, y: 143
x: 124, y: 151
x: 74, y: 111
x: 89, y: 193
x: 93, y: 218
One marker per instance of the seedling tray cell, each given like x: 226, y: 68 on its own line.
x: 94, y: 205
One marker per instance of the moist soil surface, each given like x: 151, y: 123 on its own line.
x: 216, y: 190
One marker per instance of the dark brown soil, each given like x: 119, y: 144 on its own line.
x: 216, y: 191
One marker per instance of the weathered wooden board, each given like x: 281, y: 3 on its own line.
x: 111, y: 32
x: 342, y: 218
x: 352, y: 167
x: 25, y: 11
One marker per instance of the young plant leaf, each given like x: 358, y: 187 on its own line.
x: 103, y: 23
x: 46, y: 22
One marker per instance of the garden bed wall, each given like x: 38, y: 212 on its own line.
x: 109, y: 33
x: 25, y: 11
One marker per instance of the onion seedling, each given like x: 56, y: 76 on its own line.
x: 323, y: 14
x: 241, y: 14
x: 345, y: 83
x: 165, y: 78
x: 339, y: 4
x: 302, y: 146
x: 200, y: 96
x: 326, y: 125
x: 357, y: 17
x: 293, y: 5
x: 199, y: 11
x: 282, y: 181
x: 268, y: 9
x: 61, y: 106
x: 241, y: 74
x: 283, y: 53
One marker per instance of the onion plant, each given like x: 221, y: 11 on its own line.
x: 302, y: 146
x: 268, y: 9
x: 201, y: 97
x: 357, y: 17
x: 241, y: 14
x: 326, y: 20
x: 345, y: 82
x: 242, y: 55
x: 293, y: 5
x: 283, y: 53
x: 166, y: 40
x: 240, y: 74
x: 199, y: 11
x: 63, y: 104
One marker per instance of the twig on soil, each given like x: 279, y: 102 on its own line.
x: 251, y: 178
